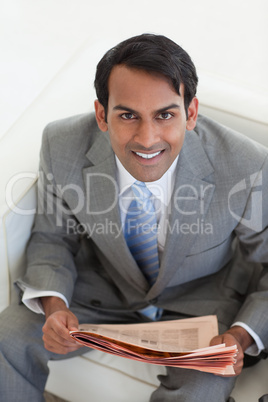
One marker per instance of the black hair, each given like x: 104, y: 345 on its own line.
x: 152, y: 53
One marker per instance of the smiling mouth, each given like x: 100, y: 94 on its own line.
x: 147, y: 156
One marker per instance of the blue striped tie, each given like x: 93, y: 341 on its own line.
x: 141, y: 237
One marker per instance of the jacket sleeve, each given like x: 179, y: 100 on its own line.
x: 52, y: 246
x: 252, y: 232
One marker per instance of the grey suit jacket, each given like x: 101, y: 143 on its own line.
x: 216, y: 253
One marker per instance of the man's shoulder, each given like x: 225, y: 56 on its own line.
x: 72, y: 128
x: 68, y: 142
x: 223, y: 144
x: 72, y: 137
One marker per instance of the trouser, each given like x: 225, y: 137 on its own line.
x: 24, y: 370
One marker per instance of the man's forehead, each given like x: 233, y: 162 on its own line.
x: 129, y: 83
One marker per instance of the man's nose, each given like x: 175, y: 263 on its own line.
x: 147, y: 134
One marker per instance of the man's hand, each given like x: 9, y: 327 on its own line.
x: 235, y: 336
x: 59, y: 321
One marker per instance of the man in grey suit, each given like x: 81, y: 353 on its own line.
x: 209, y: 191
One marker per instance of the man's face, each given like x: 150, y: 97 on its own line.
x: 146, y: 121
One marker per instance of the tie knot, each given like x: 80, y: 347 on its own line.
x: 141, y: 192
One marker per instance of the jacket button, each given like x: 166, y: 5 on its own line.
x: 96, y: 303
x: 153, y: 301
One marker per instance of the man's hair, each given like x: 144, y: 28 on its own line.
x: 152, y: 53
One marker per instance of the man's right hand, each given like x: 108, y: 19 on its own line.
x: 59, y: 321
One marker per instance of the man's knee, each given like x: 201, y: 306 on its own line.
x: 185, y: 385
x: 23, y: 358
x: 19, y: 327
x: 19, y: 321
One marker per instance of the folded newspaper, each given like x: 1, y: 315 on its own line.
x: 179, y: 343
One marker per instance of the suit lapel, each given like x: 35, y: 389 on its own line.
x: 193, y: 191
x: 103, y: 216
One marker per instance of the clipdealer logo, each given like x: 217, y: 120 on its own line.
x: 254, y: 222
x: 51, y: 195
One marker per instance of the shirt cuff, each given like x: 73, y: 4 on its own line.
x: 31, y: 299
x: 258, y: 346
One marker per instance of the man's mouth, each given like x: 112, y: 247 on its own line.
x: 147, y: 156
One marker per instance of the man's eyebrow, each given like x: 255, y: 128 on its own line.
x: 125, y: 108
x: 172, y: 106
x: 163, y: 109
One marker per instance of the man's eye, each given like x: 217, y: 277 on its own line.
x: 165, y: 116
x: 128, y: 116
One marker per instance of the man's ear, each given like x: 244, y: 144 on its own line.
x: 100, y: 116
x: 192, y: 114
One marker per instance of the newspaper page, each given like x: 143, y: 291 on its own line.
x: 170, y: 336
x: 179, y: 343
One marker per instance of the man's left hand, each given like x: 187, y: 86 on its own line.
x: 235, y: 336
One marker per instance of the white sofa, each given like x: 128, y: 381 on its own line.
x: 97, y: 376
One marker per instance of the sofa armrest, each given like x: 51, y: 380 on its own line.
x: 15, y: 228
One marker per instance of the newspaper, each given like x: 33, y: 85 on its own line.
x: 178, y: 343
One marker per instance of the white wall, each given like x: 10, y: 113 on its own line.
x: 227, y: 41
